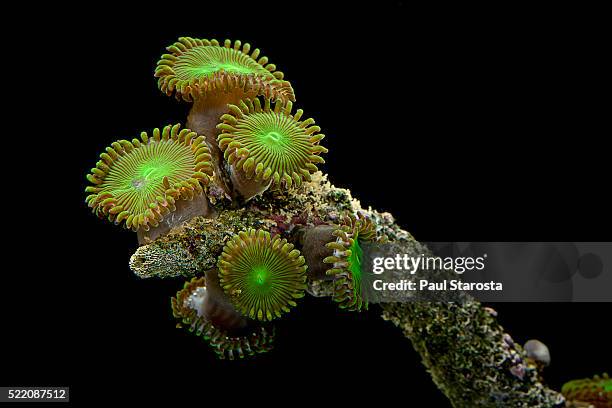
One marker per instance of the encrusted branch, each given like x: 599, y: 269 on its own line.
x: 467, y: 352
x: 470, y: 357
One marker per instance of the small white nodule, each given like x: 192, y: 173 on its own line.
x: 196, y: 300
x: 537, y: 351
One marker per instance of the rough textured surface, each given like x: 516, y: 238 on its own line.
x: 464, y: 350
x: 192, y: 248
x: 469, y: 356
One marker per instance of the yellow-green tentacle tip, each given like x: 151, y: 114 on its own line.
x: 262, y: 275
x: 186, y: 308
x: 596, y: 391
x: 346, y: 260
x: 195, y: 67
x: 268, y: 142
x: 137, y: 183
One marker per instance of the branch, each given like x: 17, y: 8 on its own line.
x: 468, y: 354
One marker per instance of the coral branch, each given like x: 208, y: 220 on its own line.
x: 470, y: 357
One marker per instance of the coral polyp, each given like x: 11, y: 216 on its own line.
x: 346, y: 260
x: 200, y: 307
x: 596, y: 391
x: 196, y: 67
x: 139, y: 182
x: 262, y: 275
x: 269, y: 146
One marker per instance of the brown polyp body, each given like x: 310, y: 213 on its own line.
x: 204, y: 117
x: 217, y: 308
x: 245, y: 188
x: 185, y: 210
x: 313, y: 240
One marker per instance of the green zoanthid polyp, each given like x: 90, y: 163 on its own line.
x: 267, y: 146
x: 194, y: 67
x: 139, y: 182
x: 262, y: 275
x: 346, y: 260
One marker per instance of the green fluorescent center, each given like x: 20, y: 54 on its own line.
x: 607, y: 385
x: 139, y: 183
x: 272, y: 139
x: 205, y: 61
x: 260, y: 278
x: 213, y: 66
x: 149, y: 173
x: 155, y: 170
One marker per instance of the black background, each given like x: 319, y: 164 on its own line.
x: 464, y: 127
